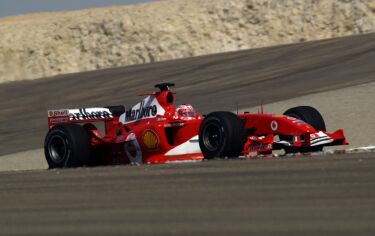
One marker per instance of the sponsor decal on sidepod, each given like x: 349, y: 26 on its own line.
x: 147, y: 108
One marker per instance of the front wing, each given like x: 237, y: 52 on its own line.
x: 302, y: 142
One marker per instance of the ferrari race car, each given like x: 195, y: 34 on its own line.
x: 155, y: 131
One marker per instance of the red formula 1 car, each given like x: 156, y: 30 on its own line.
x: 155, y: 131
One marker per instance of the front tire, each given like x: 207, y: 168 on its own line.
x: 311, y: 116
x: 67, y: 146
x: 221, y: 134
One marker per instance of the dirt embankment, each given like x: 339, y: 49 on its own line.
x: 40, y: 45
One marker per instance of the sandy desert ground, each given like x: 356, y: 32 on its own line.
x: 40, y: 45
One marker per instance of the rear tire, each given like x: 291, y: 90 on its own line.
x: 221, y: 134
x: 67, y: 146
x: 311, y: 116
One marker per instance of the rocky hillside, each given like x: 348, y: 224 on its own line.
x: 40, y: 45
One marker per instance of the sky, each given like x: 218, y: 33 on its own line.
x: 18, y: 7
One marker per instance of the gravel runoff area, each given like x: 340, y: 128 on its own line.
x: 349, y: 108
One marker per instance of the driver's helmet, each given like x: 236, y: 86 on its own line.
x: 185, y: 111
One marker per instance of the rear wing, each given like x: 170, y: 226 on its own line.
x: 67, y: 116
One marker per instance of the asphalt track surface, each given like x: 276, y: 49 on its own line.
x: 326, y: 195
x: 332, y: 195
x: 216, y: 82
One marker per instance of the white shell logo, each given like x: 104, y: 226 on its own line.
x: 274, y: 125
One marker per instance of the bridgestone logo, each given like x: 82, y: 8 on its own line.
x: 260, y: 147
x: 142, y: 112
x: 58, y: 120
x: 83, y: 114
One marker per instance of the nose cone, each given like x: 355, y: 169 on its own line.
x: 307, y: 128
x: 293, y: 126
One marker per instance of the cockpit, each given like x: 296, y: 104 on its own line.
x: 185, y: 111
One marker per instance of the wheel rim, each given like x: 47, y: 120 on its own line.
x: 57, y: 148
x: 212, y: 137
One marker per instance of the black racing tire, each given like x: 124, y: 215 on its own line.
x: 221, y: 134
x: 67, y: 146
x: 311, y: 116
